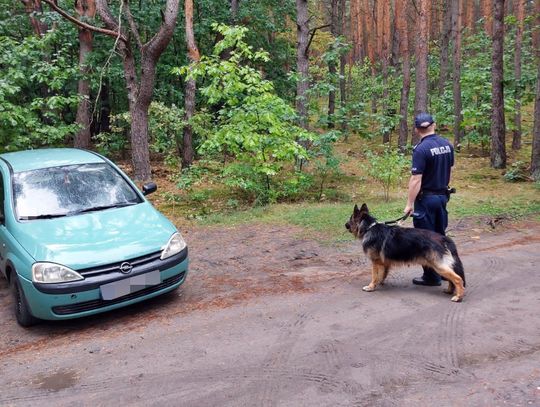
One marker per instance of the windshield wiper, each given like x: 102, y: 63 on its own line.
x: 43, y: 216
x: 102, y: 207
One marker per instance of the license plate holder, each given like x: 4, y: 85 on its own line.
x: 116, y: 289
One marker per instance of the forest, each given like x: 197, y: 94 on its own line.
x: 264, y: 98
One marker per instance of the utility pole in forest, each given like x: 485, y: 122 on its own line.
x: 498, y: 126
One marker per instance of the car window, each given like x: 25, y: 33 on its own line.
x: 70, y: 190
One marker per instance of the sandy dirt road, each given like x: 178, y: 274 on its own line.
x: 270, y: 319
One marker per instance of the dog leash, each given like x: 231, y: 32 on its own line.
x: 398, y: 220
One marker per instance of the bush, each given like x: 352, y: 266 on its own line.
x: 252, y: 128
x: 386, y: 168
x: 518, y: 172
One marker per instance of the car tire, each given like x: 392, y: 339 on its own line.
x: 20, y: 306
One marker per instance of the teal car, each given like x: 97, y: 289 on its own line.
x: 78, y: 238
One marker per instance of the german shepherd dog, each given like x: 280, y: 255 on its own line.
x: 387, y: 246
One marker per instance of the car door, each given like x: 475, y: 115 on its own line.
x: 3, y: 230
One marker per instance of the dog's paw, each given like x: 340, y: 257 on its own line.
x: 368, y: 288
x: 456, y: 298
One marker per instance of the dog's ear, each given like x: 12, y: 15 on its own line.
x: 356, y: 210
x: 364, y: 208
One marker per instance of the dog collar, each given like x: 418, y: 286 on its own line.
x: 370, y: 226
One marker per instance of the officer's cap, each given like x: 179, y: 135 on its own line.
x: 423, y: 120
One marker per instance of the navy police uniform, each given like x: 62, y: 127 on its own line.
x: 433, y: 157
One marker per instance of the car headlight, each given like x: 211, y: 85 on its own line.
x: 174, y: 246
x: 53, y: 273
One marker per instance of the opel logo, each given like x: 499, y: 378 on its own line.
x: 125, y: 267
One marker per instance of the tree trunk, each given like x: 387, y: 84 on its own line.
x: 139, y: 98
x: 342, y: 57
x: 509, y: 7
x: 457, y: 13
x: 302, y: 61
x: 364, y: 29
x: 140, y: 90
x: 536, y: 25
x: 520, y: 14
x: 379, y: 25
x: 355, y: 32
x: 102, y: 122
x: 33, y: 8
x: 385, y: 34
x: 468, y: 14
x: 372, y: 41
x: 235, y: 4
x: 139, y: 142
x: 395, y: 53
x: 421, y: 83
x: 370, y: 31
x: 487, y: 12
x: 87, y: 10
x: 445, y: 41
x: 403, y: 29
x: 535, y: 153
x: 191, y: 86
x: 332, y: 69
x: 498, y: 127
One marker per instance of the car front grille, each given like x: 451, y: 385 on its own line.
x: 96, y: 304
x: 114, y: 267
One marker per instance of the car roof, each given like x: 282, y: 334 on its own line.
x: 49, y: 157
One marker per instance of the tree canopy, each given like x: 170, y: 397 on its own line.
x: 274, y: 83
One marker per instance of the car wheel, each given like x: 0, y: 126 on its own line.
x: 21, y: 308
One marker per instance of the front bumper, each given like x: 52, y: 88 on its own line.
x: 83, y: 298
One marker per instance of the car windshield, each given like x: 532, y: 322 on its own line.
x: 70, y: 190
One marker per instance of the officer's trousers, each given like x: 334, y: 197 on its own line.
x: 430, y: 213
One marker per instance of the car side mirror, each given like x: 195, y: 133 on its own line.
x: 149, y: 188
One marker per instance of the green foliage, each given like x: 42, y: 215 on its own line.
x: 165, y: 127
x: 476, y: 84
x: 324, y: 82
x: 372, y: 106
x: 37, y: 103
x: 476, y: 89
x: 191, y: 176
x: 249, y: 123
x: 386, y: 168
x: 518, y: 172
x: 326, y: 163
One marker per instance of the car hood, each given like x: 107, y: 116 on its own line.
x: 96, y: 238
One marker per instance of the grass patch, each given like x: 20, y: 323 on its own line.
x: 326, y: 221
x: 481, y: 191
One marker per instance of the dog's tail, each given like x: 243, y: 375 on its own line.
x: 458, y: 265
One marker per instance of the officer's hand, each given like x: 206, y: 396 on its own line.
x: 408, y: 210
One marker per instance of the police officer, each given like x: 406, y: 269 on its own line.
x: 432, y: 160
